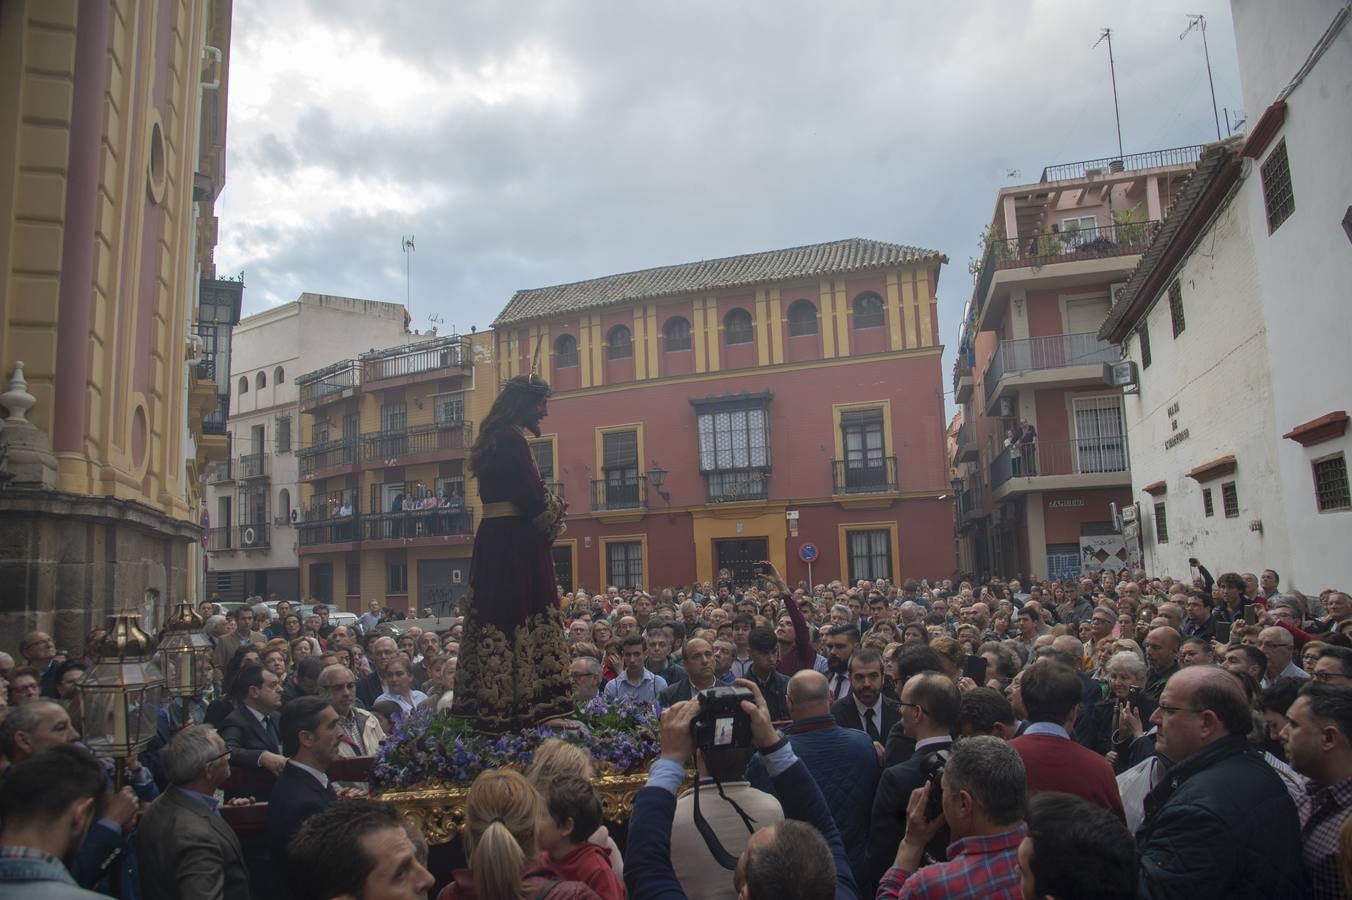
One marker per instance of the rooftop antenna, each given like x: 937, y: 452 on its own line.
x: 1198, y: 21
x: 407, y: 244
x: 1107, y: 35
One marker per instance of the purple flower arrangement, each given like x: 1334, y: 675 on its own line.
x: 621, y: 736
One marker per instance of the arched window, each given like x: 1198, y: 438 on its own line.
x: 737, y: 327
x: 278, y: 376
x: 565, y: 351
x: 868, y: 310
x: 802, y: 318
x: 284, y: 504
x: 260, y: 381
x: 620, y: 343
x: 676, y: 333
x: 244, y: 384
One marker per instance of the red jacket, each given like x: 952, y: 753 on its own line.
x: 589, y: 864
x: 1054, y: 763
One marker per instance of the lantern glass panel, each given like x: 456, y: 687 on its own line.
x: 121, y: 705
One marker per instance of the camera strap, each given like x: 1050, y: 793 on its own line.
x: 706, y: 831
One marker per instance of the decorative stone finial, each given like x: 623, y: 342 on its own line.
x: 17, y: 399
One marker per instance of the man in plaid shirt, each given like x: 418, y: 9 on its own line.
x: 984, y: 795
x: 1318, y: 740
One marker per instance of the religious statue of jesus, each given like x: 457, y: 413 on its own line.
x: 513, y: 670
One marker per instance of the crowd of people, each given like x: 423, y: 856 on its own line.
x: 1110, y: 736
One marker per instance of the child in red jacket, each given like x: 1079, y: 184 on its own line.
x: 574, y: 814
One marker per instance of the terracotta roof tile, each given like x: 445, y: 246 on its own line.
x: 833, y: 258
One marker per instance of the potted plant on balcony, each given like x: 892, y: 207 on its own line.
x: 1131, y: 231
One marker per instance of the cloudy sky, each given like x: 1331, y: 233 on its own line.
x: 533, y: 143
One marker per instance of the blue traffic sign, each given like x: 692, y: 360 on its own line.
x: 808, y: 553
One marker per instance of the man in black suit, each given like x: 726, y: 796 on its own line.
x: 252, y: 732
x: 185, y: 848
x: 910, y: 660
x: 384, y: 650
x: 699, y: 668
x: 930, y: 708
x: 865, y: 708
x: 310, y: 736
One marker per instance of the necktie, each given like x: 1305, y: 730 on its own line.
x: 840, y: 682
x: 869, y: 726
x: 272, y: 734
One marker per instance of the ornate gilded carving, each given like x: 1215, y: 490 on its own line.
x: 438, y: 810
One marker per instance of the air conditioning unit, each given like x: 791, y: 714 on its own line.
x: 1128, y: 512
x: 249, y: 537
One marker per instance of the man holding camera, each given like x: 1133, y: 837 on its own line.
x: 802, y: 856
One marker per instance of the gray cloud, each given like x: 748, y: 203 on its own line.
x: 700, y: 129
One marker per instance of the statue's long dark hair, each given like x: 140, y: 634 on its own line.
x: 517, y: 400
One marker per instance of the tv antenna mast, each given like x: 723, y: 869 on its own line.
x: 1107, y: 35
x: 408, y: 248
x: 1198, y: 21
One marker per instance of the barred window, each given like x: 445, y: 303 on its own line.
x: 565, y: 352
x: 802, y: 318
x: 1230, y: 500
x: 543, y: 452
x: 353, y: 586
x: 1161, y: 523
x: 1143, y: 335
x: 620, y: 343
x: 624, y: 564
x: 870, y: 554
x: 1330, y: 484
x: 1176, y: 308
x: 283, y: 434
x: 396, y: 576
x: 1208, y: 505
x: 737, y: 327
x: 676, y: 334
x: 1278, y: 199
x: 868, y: 310
x: 448, y: 408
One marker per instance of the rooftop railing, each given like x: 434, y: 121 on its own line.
x: 325, y: 383
x: 1132, y: 162
x: 447, y: 352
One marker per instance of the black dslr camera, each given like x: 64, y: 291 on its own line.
x: 721, y: 723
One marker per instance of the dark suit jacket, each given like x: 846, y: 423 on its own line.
x: 187, y: 850
x: 898, y: 747
x: 888, y: 822
x: 297, y: 796
x: 246, y: 737
x: 680, y: 691
x: 368, y: 689
x: 847, y: 716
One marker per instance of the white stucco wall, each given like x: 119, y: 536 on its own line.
x: 1305, y: 266
x: 298, y: 337
x: 1216, y: 372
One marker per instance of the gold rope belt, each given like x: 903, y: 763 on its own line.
x: 501, y: 510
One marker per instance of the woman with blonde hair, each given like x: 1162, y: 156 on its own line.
x: 502, y: 812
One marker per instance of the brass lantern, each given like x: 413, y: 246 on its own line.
x: 121, y: 693
x: 185, y: 654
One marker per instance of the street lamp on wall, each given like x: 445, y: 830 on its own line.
x: 657, y: 476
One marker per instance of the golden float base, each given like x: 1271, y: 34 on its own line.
x: 438, y: 808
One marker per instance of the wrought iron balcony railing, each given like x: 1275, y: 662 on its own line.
x: 252, y: 465
x: 864, y: 476
x: 1053, y: 351
x: 257, y: 536
x: 450, y: 352
x: 626, y: 493
x: 220, y: 471
x: 340, y: 530
x: 1132, y: 162
x: 333, y: 454
x: 421, y: 523
x: 733, y: 485
x: 328, y: 382
x: 220, y: 538
x: 1088, y: 456
x: 444, y: 437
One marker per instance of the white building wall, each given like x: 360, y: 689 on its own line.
x: 299, y: 337
x: 1212, y: 382
x: 1305, y: 266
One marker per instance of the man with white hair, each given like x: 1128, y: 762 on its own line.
x: 361, y: 733
x: 185, y: 848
